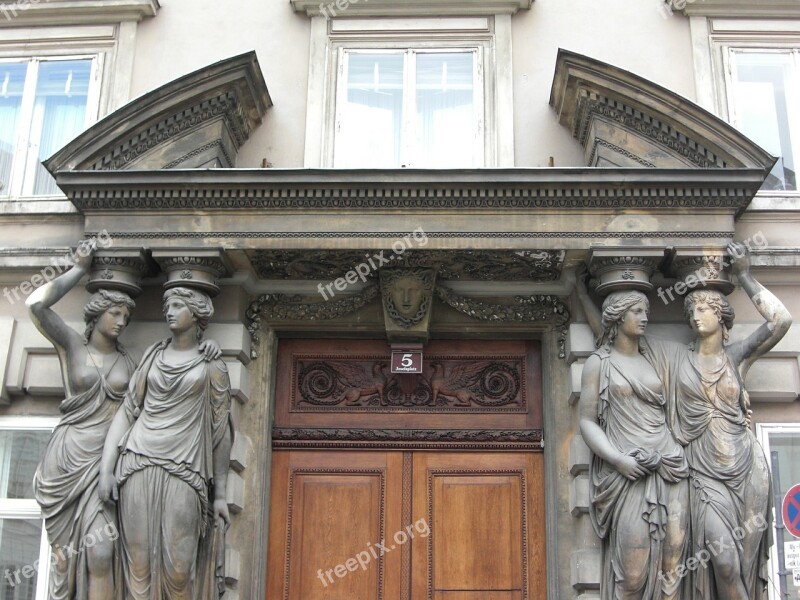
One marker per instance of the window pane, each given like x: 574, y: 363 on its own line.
x: 20, y: 453
x: 19, y: 549
x: 766, y: 110
x: 59, y: 113
x: 12, y: 82
x: 372, y: 114
x: 446, y: 122
x: 785, y: 464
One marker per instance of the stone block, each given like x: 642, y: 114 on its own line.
x: 240, y: 451
x: 575, y: 373
x: 585, y: 570
x: 235, y: 491
x: 580, y: 342
x: 240, y: 380
x: 232, y: 565
x: 579, y: 495
x: 579, y: 455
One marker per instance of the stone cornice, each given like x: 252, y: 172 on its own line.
x: 75, y: 12
x: 411, y: 8
x: 743, y: 8
x: 200, y: 117
x: 727, y: 190
x: 601, y: 104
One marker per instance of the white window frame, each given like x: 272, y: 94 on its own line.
x: 763, y: 431
x: 713, y: 40
x: 489, y: 36
x: 110, y: 46
x: 28, y: 508
x: 23, y: 167
x: 409, y: 98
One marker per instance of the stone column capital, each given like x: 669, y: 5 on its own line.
x: 196, y: 268
x: 118, y: 269
x: 624, y: 268
x: 702, y: 268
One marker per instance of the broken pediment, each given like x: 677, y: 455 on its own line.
x: 624, y: 120
x: 198, y: 120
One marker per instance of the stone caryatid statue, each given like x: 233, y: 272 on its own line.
x: 639, y: 474
x: 708, y: 414
x: 730, y: 493
x: 95, y: 370
x: 166, y: 461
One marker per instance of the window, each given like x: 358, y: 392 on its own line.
x: 44, y: 103
x: 409, y: 108
x: 24, y: 551
x: 782, y: 446
x: 765, y: 105
x: 410, y: 92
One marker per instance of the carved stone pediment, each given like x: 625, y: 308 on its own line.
x: 198, y: 120
x: 624, y: 120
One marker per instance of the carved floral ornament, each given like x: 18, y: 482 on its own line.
x: 550, y: 310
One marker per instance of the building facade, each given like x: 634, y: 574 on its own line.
x: 377, y: 186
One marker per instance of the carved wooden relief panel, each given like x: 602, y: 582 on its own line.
x: 450, y: 382
x: 341, y: 392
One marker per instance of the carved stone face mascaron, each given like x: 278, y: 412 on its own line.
x: 407, y: 294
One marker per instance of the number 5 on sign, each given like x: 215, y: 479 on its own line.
x: 406, y: 360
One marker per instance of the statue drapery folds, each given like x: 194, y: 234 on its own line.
x: 698, y: 401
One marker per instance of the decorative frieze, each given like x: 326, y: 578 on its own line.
x: 469, y: 265
x: 412, y: 439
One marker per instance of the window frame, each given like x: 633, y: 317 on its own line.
x: 763, y: 431
x: 409, y: 53
x: 490, y: 35
x: 714, y: 41
x: 111, y: 45
x: 28, y: 508
x: 23, y: 165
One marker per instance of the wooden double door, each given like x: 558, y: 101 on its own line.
x: 400, y: 487
x: 352, y: 525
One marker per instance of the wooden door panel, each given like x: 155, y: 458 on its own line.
x: 328, y: 510
x: 486, y: 519
x: 479, y: 545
